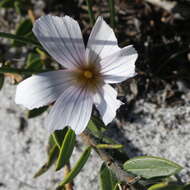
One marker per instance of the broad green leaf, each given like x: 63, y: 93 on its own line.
x: 149, y: 166
x: 66, y: 149
x: 23, y: 28
x: 165, y: 186
x: 19, y: 38
x: 77, y: 168
x: 59, y: 136
x: 107, y: 178
x: 36, y: 112
x: 2, y: 78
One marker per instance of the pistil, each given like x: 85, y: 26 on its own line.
x: 88, y: 74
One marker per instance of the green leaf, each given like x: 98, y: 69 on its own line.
x: 90, y: 12
x: 33, y: 61
x: 59, y: 136
x: 149, y: 166
x: 21, y: 71
x: 51, y: 159
x: 165, y: 186
x: 51, y: 143
x: 99, y: 123
x: 77, y: 168
x: 116, y: 187
x: 7, y: 3
x: 23, y: 28
x: 53, y: 152
x: 36, y: 112
x: 107, y: 178
x: 187, y: 187
x: 2, y: 78
x: 66, y: 149
x: 19, y: 38
x: 109, y: 146
x: 112, y: 12
x: 95, y: 127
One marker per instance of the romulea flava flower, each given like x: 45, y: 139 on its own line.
x: 85, y: 77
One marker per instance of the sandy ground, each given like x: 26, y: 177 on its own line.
x: 154, y: 131
x: 22, y: 153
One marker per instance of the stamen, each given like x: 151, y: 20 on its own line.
x: 88, y: 74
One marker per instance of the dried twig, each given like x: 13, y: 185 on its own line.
x: 112, y: 163
x: 67, y: 168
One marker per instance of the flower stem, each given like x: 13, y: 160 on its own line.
x: 112, y: 12
x: 90, y: 12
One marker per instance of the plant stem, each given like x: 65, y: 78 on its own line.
x: 107, y: 157
x: 67, y: 168
x: 90, y: 12
x: 112, y: 12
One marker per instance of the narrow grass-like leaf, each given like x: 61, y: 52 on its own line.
x: 52, y: 151
x: 59, y: 136
x: 19, y: 38
x: 51, y: 143
x: 90, y: 12
x: 95, y: 129
x: 107, y: 178
x: 149, y: 166
x: 77, y: 168
x: 109, y: 146
x: 66, y: 149
x: 112, y: 12
x: 51, y: 159
x: 20, y: 71
x: 99, y: 123
x: 116, y: 187
x: 36, y: 112
x: 165, y: 186
x: 2, y: 78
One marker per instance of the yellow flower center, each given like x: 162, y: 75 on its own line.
x: 88, y: 74
x: 88, y: 77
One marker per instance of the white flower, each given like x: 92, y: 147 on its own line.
x: 84, y: 81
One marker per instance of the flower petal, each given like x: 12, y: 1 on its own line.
x: 73, y: 109
x: 119, y: 66
x: 106, y: 103
x: 43, y: 88
x: 62, y: 39
x: 102, y: 41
